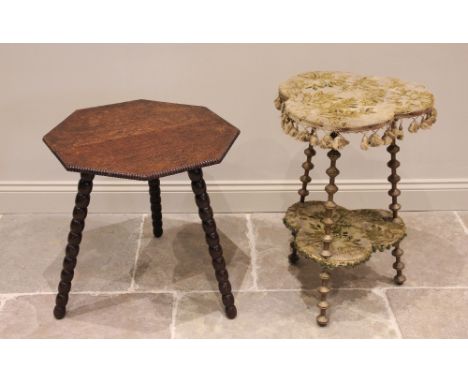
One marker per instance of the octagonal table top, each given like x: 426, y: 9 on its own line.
x: 141, y: 139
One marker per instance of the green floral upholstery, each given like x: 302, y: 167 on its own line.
x: 342, y: 102
x: 356, y: 233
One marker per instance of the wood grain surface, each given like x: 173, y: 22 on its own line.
x: 141, y: 139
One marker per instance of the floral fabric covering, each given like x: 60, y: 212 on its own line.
x: 339, y: 102
x: 356, y: 233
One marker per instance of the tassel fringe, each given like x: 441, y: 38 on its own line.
x: 393, y: 130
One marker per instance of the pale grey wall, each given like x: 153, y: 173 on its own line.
x: 41, y: 84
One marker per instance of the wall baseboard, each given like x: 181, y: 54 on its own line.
x: 120, y: 196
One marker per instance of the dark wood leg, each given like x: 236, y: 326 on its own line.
x: 293, y: 258
x: 80, y: 211
x: 156, y: 213
x: 211, y: 235
x: 394, y: 192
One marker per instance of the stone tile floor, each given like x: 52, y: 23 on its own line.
x: 130, y: 285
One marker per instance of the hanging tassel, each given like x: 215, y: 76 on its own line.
x: 288, y: 126
x: 278, y: 103
x: 399, y: 133
x: 314, y: 140
x: 375, y: 140
x: 326, y: 142
x: 431, y: 118
x: 424, y: 122
x: 364, y: 142
x: 388, y: 137
x: 339, y: 142
x: 303, y: 136
x: 424, y: 126
x: 414, y: 126
x: 390, y: 132
x: 284, y: 120
x: 293, y: 132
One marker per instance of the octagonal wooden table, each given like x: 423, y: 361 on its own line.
x: 143, y: 140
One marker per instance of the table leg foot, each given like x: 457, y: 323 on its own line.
x: 156, y: 210
x: 80, y: 211
x: 212, y: 238
x: 322, y: 319
x: 293, y: 257
x: 398, y: 265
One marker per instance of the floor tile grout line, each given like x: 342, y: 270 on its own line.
x: 175, y: 306
x: 457, y: 216
x: 253, y: 250
x: 392, y: 313
x: 8, y: 296
x: 137, y: 252
x: 394, y: 323
x: 447, y: 287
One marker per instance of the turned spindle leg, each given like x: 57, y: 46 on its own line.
x: 80, y: 211
x: 303, y: 192
x: 398, y: 265
x: 211, y: 235
x: 330, y: 205
x: 323, y: 305
x: 394, y: 192
x: 156, y: 214
x: 307, y: 166
x: 293, y: 257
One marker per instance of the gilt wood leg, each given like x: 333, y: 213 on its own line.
x: 330, y: 206
x: 322, y: 318
x: 303, y: 192
x: 394, y: 192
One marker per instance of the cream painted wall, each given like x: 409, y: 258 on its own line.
x: 41, y: 84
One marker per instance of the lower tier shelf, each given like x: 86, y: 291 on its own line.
x: 356, y: 233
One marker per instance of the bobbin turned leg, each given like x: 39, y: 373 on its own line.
x: 330, y: 205
x: 307, y: 166
x: 156, y: 214
x: 209, y: 227
x: 293, y: 258
x: 80, y: 211
x: 398, y: 265
x: 394, y: 192
x: 323, y: 305
x: 303, y: 192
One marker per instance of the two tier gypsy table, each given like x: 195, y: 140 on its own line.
x: 319, y: 108
x: 142, y: 140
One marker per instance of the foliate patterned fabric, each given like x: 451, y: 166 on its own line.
x: 356, y: 233
x: 337, y: 102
